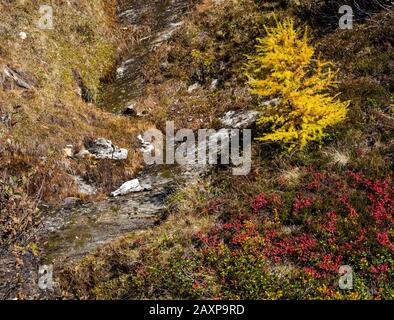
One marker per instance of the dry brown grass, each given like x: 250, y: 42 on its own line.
x: 37, y: 123
x: 51, y: 115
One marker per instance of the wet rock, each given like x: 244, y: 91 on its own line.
x: 130, y: 187
x: 239, y: 119
x: 166, y: 34
x: 104, y: 149
x: 78, y: 232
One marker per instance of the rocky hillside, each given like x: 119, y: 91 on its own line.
x: 320, y: 194
x: 49, y: 83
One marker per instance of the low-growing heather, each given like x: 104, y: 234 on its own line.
x: 331, y: 221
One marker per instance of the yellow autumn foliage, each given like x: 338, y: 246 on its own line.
x: 285, y: 68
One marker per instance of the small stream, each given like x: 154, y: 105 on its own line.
x: 162, y: 18
x: 71, y: 233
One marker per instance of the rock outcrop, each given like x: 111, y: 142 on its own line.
x: 104, y: 149
x: 239, y: 119
x: 11, y: 78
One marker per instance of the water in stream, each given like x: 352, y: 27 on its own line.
x: 70, y: 233
x: 162, y: 18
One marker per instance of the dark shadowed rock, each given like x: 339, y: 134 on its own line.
x: 130, y: 111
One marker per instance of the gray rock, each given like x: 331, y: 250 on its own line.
x: 104, y: 149
x: 214, y: 84
x: 16, y: 78
x: 273, y: 102
x: 239, y: 119
x: 120, y: 154
x: 166, y: 34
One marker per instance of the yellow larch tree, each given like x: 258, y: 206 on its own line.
x: 285, y: 68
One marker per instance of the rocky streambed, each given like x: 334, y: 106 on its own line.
x: 162, y: 18
x: 75, y: 230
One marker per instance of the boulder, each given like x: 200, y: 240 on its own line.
x: 243, y: 119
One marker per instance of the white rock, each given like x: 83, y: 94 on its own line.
x: 120, y: 154
x: 128, y: 187
x: 273, y: 102
x: 214, y: 84
x: 68, y: 151
x: 120, y: 71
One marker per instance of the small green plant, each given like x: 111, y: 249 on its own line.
x: 284, y: 68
